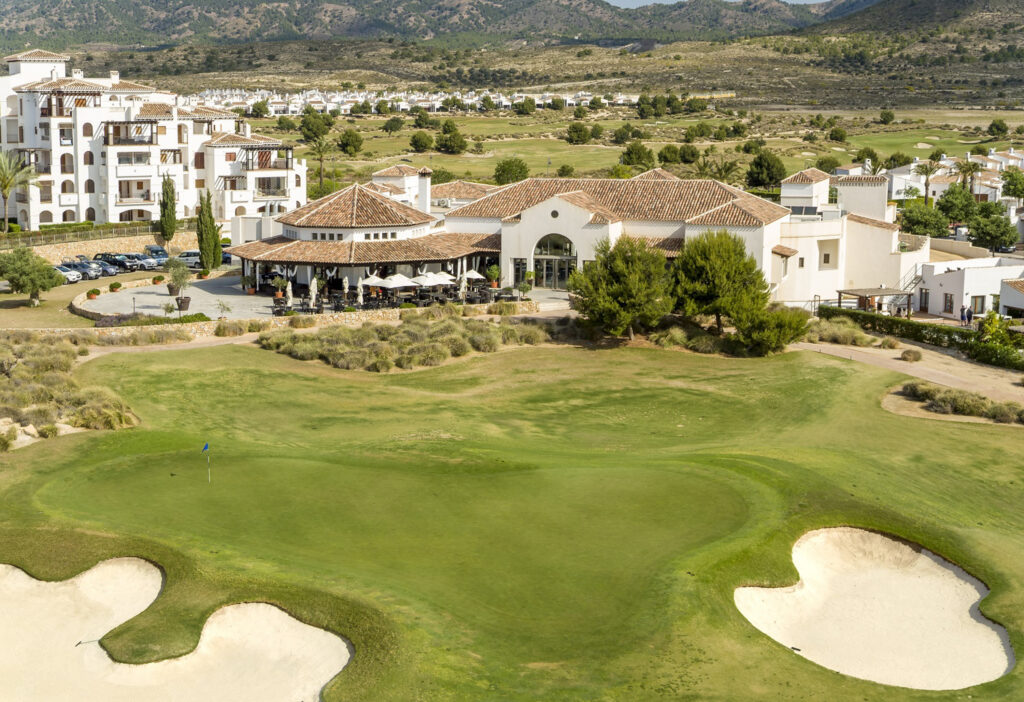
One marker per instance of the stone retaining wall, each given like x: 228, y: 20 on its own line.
x: 55, y: 253
x: 960, y: 248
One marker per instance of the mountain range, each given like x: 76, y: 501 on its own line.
x: 161, y: 22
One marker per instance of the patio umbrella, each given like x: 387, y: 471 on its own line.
x: 462, y: 289
x: 444, y: 274
x: 425, y: 279
x: 373, y: 281
x: 312, y: 292
x: 288, y: 294
x: 397, y: 281
x: 473, y: 275
x: 344, y: 286
x: 359, y: 292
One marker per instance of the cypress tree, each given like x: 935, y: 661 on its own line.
x: 208, y: 233
x: 168, y: 203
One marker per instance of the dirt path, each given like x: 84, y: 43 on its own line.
x: 935, y: 366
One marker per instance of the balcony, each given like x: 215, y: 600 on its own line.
x: 118, y: 140
x: 263, y: 193
x: 136, y: 198
x: 273, y: 164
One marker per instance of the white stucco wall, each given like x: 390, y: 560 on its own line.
x: 964, y: 280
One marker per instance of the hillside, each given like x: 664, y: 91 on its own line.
x: 925, y: 15
x: 161, y: 22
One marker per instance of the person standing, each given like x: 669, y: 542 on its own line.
x: 970, y: 316
x: 963, y: 315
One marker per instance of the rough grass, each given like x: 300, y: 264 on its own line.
x: 838, y: 330
x: 447, y: 521
x: 942, y: 400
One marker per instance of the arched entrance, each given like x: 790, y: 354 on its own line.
x: 554, y: 258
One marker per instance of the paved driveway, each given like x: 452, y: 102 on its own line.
x: 205, y: 294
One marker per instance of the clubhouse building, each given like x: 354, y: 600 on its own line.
x: 827, y: 234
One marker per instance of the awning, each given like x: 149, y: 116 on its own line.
x: 784, y: 251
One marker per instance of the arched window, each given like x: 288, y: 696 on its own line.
x: 90, y: 187
x: 67, y: 186
x: 239, y: 211
x: 555, y: 245
x: 67, y: 164
x: 87, y: 158
x: 69, y: 215
x: 298, y: 181
x: 87, y: 130
x: 45, y: 217
x: 90, y: 215
x: 23, y: 219
x: 187, y: 212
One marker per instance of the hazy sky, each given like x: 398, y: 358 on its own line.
x: 637, y: 3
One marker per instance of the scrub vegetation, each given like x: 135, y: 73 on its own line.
x: 552, y: 522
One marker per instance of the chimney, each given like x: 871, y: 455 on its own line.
x: 115, y: 76
x: 53, y: 74
x: 77, y: 73
x: 944, y: 157
x: 991, y: 151
x: 423, y: 196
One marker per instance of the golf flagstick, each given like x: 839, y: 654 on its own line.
x: 206, y: 450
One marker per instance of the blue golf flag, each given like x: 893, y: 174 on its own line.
x: 206, y: 447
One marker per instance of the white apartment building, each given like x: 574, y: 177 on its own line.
x: 101, y: 147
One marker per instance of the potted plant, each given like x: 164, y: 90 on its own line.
x: 493, y: 273
x: 93, y: 294
x: 279, y: 284
x: 204, y: 274
x: 249, y: 283
x: 157, y: 279
x: 183, y: 303
x: 180, y: 277
x: 115, y: 286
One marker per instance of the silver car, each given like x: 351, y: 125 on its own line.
x: 70, y: 276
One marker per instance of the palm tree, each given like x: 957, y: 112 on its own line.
x: 702, y: 167
x: 968, y: 170
x: 320, y: 148
x: 926, y: 169
x: 726, y: 171
x: 14, y: 174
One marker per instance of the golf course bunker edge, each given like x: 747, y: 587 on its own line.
x: 50, y: 631
x: 872, y: 607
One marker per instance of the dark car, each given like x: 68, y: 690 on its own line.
x: 1007, y: 249
x: 120, y: 261
x: 225, y: 258
x: 89, y: 270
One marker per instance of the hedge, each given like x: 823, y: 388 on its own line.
x: 965, y: 340
x: 934, y: 334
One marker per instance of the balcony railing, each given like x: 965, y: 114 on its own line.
x: 283, y: 164
x: 271, y: 192
x: 144, y: 198
x: 128, y: 140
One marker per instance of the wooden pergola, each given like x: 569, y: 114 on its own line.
x: 867, y: 296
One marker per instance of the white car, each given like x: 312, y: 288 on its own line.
x: 70, y: 276
x: 189, y: 258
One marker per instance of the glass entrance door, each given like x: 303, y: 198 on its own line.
x: 553, y: 272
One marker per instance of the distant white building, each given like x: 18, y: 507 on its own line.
x: 101, y: 147
x: 974, y: 283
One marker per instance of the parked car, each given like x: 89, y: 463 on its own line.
x: 158, y: 253
x: 146, y: 263
x: 225, y: 258
x: 70, y: 276
x: 1007, y: 249
x: 88, y: 270
x: 190, y: 258
x: 104, y: 267
x: 122, y: 262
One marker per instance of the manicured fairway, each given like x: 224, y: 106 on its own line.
x: 542, y: 523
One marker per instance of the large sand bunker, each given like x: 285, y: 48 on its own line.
x: 49, y: 646
x: 878, y: 609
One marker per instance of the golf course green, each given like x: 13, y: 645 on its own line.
x: 554, y: 522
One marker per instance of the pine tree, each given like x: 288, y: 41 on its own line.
x: 208, y: 233
x: 168, y: 203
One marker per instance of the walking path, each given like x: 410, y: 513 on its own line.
x: 936, y: 366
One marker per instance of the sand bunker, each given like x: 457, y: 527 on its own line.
x: 923, y: 145
x: 874, y: 608
x: 49, y: 648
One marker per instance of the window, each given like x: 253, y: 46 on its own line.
x: 376, y: 235
x: 45, y: 193
x: 87, y: 158
x: 67, y: 187
x: 68, y: 216
x: 200, y: 160
x: 554, y: 214
x: 825, y: 258
x: 923, y: 303
x: 978, y: 304
x: 90, y: 215
x: 87, y: 130
x: 133, y: 158
x: 200, y: 182
x: 394, y: 235
x: 366, y: 237
x: 554, y: 245
x: 90, y: 186
x: 947, y: 304
x: 230, y: 156
x: 161, y: 129
x: 170, y: 156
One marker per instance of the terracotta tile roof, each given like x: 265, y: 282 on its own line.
x: 656, y: 174
x: 202, y: 112
x: 67, y: 85
x: 750, y: 212
x: 784, y: 251
x: 162, y: 110
x: 877, y: 223
x: 636, y: 200
x: 807, y: 177
x: 385, y: 188
x: 600, y: 213
x: 355, y: 207
x: 670, y: 246
x: 863, y: 180
x: 429, y: 248
x: 398, y: 170
x: 1017, y: 284
x: 228, y: 139
x: 945, y: 179
x: 37, y: 55
x: 127, y: 86
x: 461, y: 190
